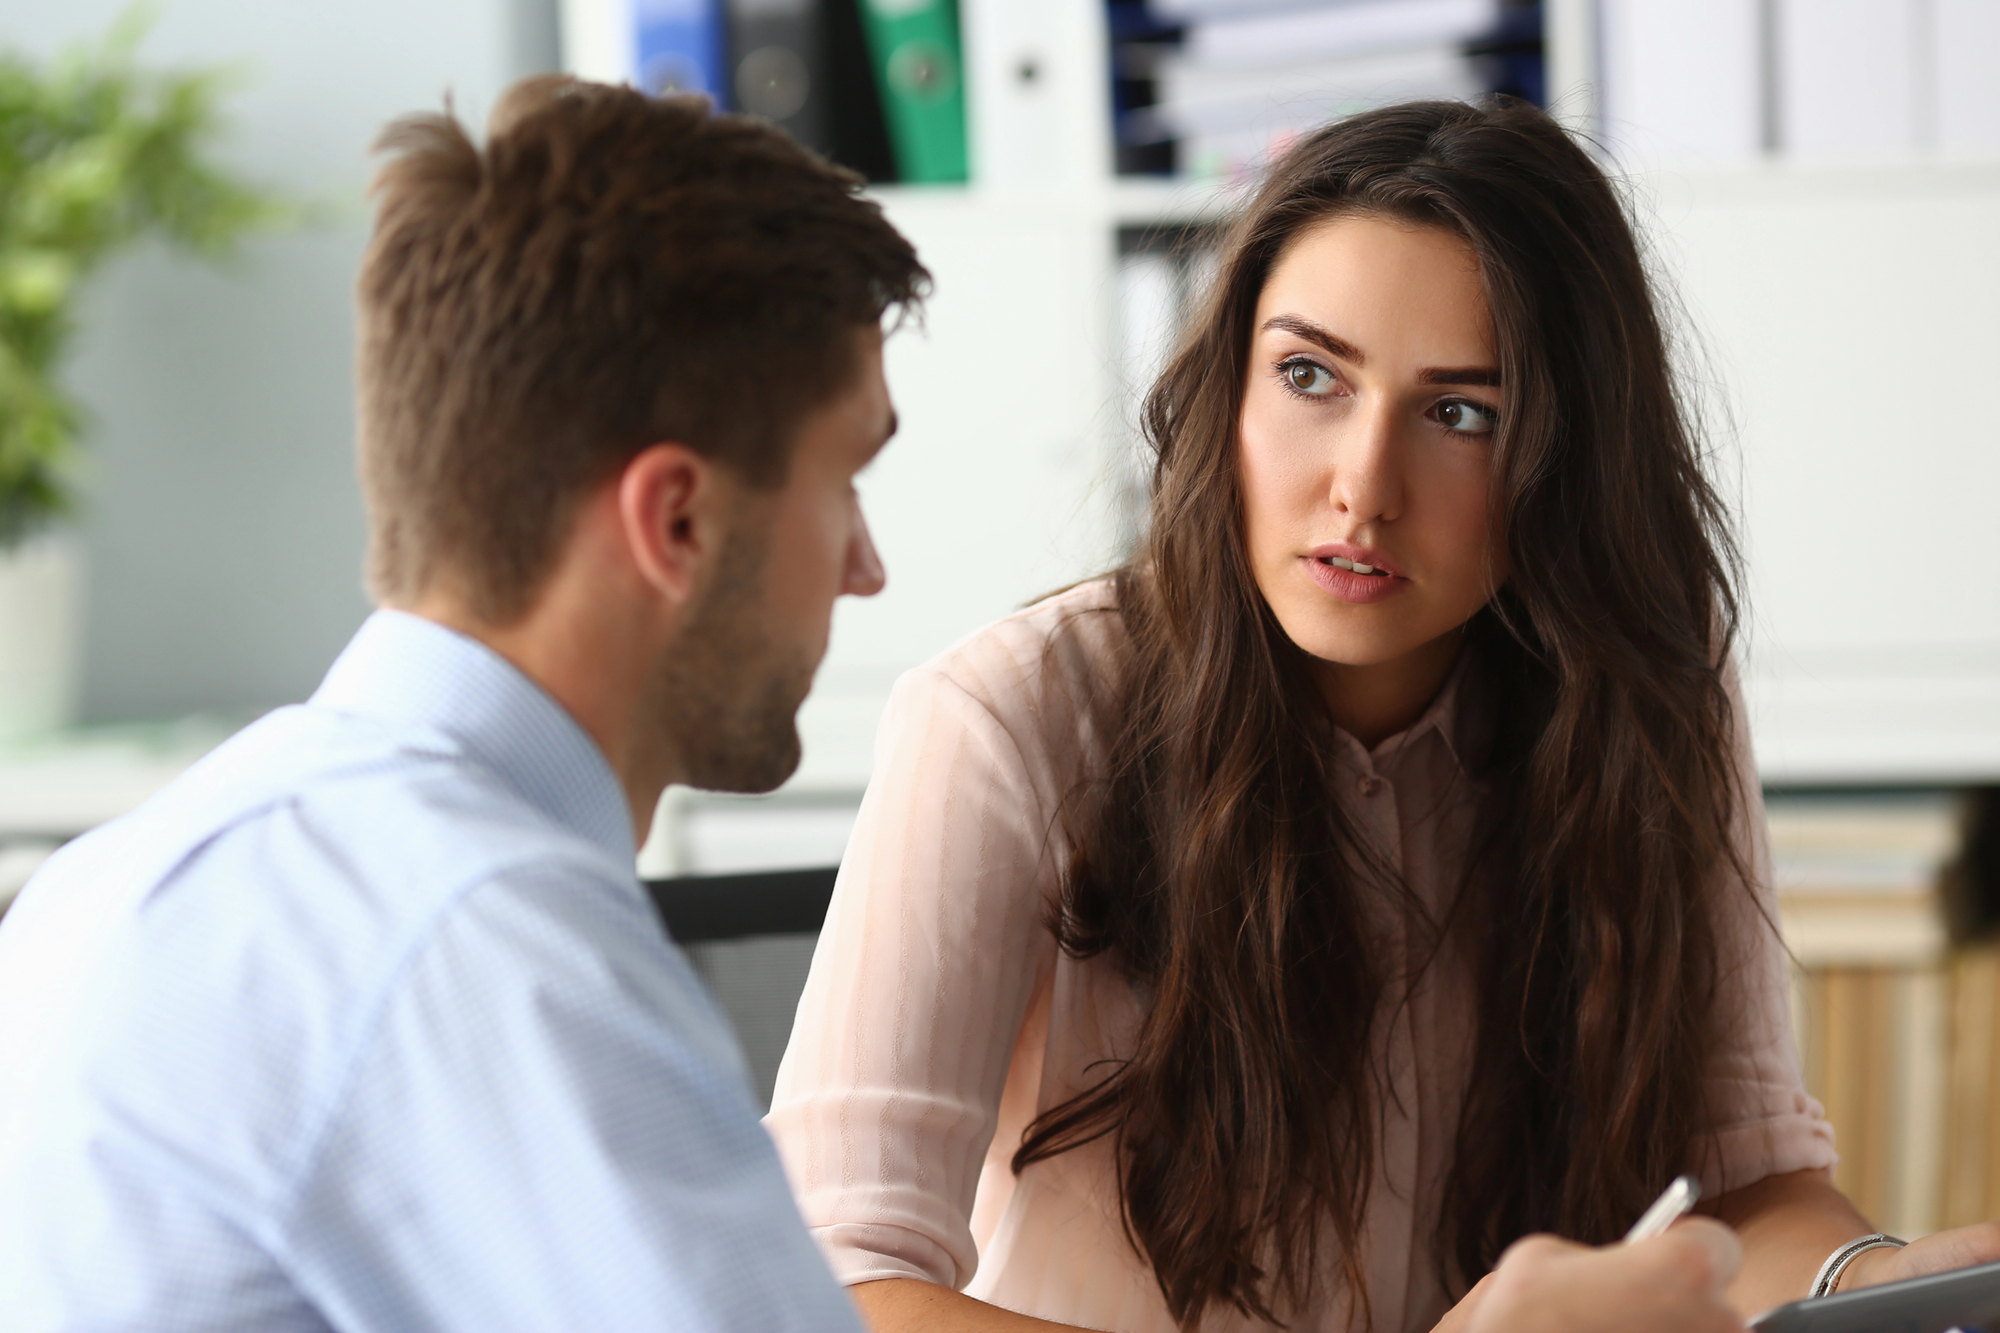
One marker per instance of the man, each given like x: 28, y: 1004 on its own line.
x: 365, y: 1023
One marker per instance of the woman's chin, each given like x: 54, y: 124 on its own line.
x: 1364, y: 638
x: 1358, y: 652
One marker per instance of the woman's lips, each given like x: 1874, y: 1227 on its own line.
x: 1349, y: 586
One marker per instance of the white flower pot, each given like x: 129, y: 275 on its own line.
x: 41, y: 623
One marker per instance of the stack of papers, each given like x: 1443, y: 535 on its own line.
x: 1252, y: 75
x: 1880, y: 1003
x: 1857, y: 875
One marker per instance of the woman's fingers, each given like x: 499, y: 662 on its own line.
x: 1941, y: 1252
x: 1458, y: 1319
x: 1673, y: 1283
x: 1705, y: 1250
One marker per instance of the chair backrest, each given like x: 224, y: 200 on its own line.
x: 751, y: 938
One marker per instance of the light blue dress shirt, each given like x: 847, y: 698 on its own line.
x: 366, y: 1024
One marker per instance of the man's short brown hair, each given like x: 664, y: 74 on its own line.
x: 609, y: 272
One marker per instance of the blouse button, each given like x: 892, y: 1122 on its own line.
x: 1370, y: 785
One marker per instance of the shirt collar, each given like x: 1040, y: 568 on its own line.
x: 407, y: 668
x: 1457, y: 714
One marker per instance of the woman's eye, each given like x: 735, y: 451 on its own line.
x: 1308, y: 378
x: 1466, y: 418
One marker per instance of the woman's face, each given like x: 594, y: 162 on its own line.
x: 1366, y: 444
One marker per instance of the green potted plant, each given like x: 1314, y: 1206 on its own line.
x: 96, y: 155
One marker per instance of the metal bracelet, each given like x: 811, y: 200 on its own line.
x: 1837, y: 1262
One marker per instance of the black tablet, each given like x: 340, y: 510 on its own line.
x: 1968, y: 1299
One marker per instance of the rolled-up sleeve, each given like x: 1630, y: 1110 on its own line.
x: 1765, y: 1123
x: 889, y: 1093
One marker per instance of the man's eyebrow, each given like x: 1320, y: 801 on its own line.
x: 1315, y: 333
x: 1481, y: 376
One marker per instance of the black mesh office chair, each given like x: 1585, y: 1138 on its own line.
x: 751, y: 937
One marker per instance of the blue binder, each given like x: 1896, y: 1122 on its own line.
x: 680, y: 47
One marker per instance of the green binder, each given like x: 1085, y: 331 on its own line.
x: 919, y: 69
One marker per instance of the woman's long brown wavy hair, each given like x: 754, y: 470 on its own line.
x: 1210, y: 861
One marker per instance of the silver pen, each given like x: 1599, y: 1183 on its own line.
x: 1675, y: 1200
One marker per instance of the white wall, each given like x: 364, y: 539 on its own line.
x: 223, y: 527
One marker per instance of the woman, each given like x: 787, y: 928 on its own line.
x: 1369, y: 874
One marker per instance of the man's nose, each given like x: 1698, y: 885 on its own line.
x: 864, y: 577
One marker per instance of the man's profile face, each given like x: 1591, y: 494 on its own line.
x: 746, y: 659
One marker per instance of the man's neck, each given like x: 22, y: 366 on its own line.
x: 591, y: 665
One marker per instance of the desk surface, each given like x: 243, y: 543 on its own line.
x: 56, y: 787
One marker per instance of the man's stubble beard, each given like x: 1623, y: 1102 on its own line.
x: 731, y: 688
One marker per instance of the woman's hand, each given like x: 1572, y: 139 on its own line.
x: 1674, y: 1283
x: 1939, y: 1253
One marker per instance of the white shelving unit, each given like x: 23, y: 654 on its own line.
x: 1838, y: 316
x: 1853, y: 320
x: 1850, y: 317
x: 1847, y: 314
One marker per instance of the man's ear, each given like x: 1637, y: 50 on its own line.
x: 673, y: 508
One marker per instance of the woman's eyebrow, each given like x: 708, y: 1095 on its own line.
x: 1482, y: 376
x: 1315, y: 333
x: 1300, y: 326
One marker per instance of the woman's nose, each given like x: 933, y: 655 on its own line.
x: 1367, y: 483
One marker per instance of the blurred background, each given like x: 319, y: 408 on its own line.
x: 1818, y: 183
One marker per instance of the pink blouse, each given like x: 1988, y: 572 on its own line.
x: 940, y: 1018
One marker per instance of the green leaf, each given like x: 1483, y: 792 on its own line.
x: 35, y: 282
x: 96, y: 154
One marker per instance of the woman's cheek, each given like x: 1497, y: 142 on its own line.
x: 1280, y: 482
x: 1463, y: 523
